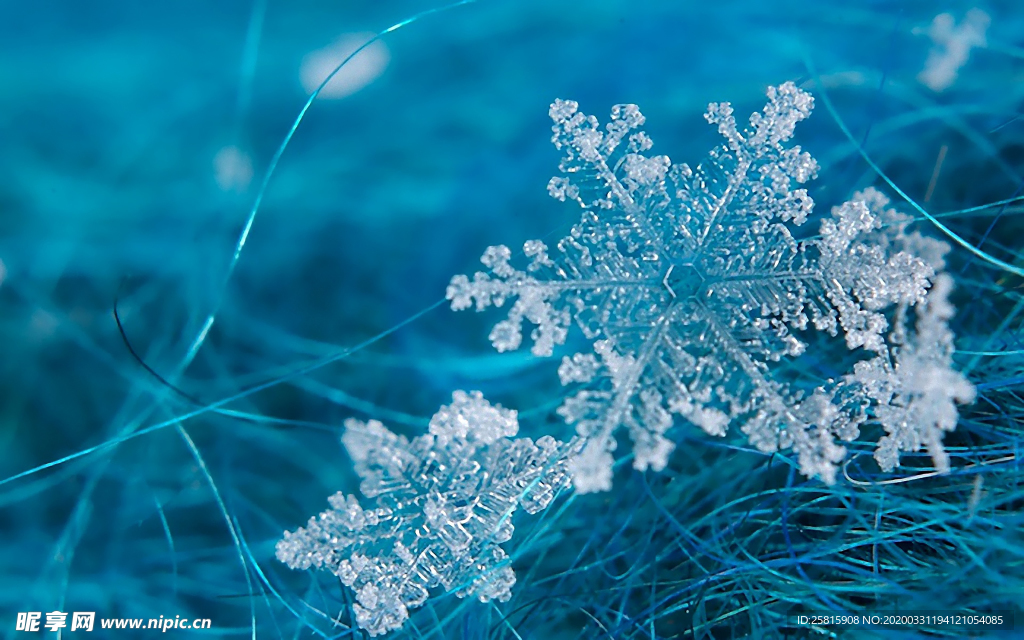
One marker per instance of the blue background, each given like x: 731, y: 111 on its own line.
x: 111, y: 114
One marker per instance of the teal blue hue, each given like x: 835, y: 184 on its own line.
x: 160, y: 487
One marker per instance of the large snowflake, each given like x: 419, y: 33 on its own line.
x: 693, y: 286
x: 441, y: 507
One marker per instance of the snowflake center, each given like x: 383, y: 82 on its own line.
x: 683, y: 280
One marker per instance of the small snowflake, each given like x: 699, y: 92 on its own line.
x: 913, y: 387
x: 441, y: 507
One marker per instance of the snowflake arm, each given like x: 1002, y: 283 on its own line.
x: 866, y: 270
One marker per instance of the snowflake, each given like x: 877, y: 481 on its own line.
x: 952, y: 45
x: 913, y: 385
x: 442, y: 504
x: 694, y: 287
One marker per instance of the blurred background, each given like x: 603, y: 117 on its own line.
x: 134, y: 141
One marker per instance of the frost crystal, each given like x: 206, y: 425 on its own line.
x: 441, y: 506
x: 693, y: 287
x: 914, y: 387
x: 952, y: 47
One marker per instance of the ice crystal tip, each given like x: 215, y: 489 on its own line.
x: 470, y: 417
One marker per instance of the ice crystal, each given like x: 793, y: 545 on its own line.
x: 952, y: 47
x: 693, y: 286
x: 913, y: 386
x: 441, y: 507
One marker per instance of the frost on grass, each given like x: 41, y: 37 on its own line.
x: 952, y: 45
x: 439, y: 508
x: 694, y: 288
